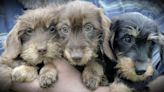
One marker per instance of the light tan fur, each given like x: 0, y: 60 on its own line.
x: 24, y: 73
x: 48, y: 75
x: 119, y: 87
x: 126, y: 67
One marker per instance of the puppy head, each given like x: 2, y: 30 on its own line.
x: 33, y: 37
x: 132, y: 45
x: 80, y: 25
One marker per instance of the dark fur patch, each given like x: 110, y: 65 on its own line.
x: 133, y: 48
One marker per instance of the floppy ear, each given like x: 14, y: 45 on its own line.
x: 105, y: 24
x: 12, y: 45
x: 113, y: 28
x: 159, y: 39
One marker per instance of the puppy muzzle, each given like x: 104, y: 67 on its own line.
x: 126, y: 69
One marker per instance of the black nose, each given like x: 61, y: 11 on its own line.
x: 140, y: 72
x: 42, y: 51
x: 76, y: 56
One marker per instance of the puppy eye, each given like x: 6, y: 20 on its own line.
x: 88, y: 27
x: 28, y: 31
x: 127, y: 39
x: 52, y: 29
x: 65, y: 29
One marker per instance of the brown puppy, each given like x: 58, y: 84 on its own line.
x: 80, y: 25
x: 31, y: 42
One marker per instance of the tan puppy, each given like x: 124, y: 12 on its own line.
x: 32, y: 42
x: 82, y: 27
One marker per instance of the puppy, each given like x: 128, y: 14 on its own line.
x: 132, y: 40
x: 33, y: 42
x: 82, y: 26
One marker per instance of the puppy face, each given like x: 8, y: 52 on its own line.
x: 132, y: 46
x: 80, y: 26
x: 33, y: 37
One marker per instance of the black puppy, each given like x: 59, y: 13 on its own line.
x: 133, y: 39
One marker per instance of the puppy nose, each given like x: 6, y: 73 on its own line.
x: 140, y: 72
x: 42, y: 50
x: 76, y: 56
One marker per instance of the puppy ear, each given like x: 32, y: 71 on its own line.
x: 159, y: 39
x: 12, y: 45
x: 113, y: 28
x: 105, y: 24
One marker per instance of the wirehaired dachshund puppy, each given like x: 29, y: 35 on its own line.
x: 33, y: 42
x: 132, y: 40
x: 82, y: 25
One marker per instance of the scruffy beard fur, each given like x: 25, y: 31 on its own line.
x: 88, y: 55
x: 126, y: 69
x: 30, y: 53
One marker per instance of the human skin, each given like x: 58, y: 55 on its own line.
x: 157, y: 85
x: 69, y: 80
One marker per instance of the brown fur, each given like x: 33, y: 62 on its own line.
x: 93, y: 74
x: 32, y: 41
x: 48, y: 75
x: 81, y: 44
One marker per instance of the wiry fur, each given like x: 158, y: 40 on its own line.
x: 132, y: 45
x: 31, y: 42
x: 81, y: 45
x: 126, y: 68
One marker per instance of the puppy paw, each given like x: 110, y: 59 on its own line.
x: 91, y: 81
x: 24, y: 73
x: 104, y: 81
x: 48, y: 78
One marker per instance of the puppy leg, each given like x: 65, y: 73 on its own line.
x: 93, y: 75
x: 48, y: 75
x: 24, y: 73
